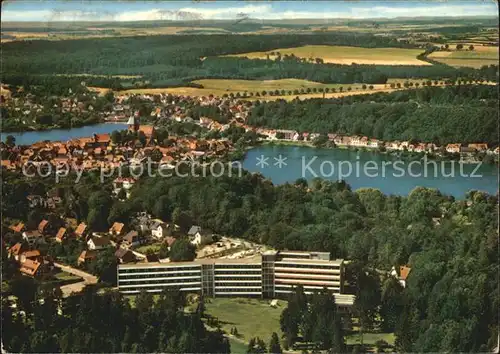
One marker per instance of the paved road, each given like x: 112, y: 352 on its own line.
x: 67, y: 290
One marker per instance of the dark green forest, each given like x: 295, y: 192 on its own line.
x: 90, y: 55
x: 169, y: 61
x: 462, y: 113
x: 104, y: 323
x: 454, y: 264
x: 451, y: 300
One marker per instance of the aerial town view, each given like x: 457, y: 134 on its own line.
x: 249, y: 176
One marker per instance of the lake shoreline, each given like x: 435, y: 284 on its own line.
x: 410, y: 156
x: 392, y: 175
x: 53, y: 135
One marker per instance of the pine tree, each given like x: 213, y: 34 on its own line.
x: 274, y: 345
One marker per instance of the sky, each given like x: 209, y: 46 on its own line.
x: 57, y: 10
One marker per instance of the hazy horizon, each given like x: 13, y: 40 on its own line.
x: 126, y: 11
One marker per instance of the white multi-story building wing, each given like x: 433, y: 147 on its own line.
x: 272, y: 274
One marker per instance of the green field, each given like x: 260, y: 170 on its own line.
x: 346, y: 55
x: 251, y: 317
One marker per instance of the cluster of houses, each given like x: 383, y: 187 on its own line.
x: 99, y: 151
x: 31, y: 262
x: 26, y: 108
x: 177, y: 107
x: 122, y: 238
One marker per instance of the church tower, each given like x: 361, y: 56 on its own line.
x: 133, y: 122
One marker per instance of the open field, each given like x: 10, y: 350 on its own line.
x: 219, y: 87
x: 347, y: 55
x: 96, y: 32
x: 251, y: 317
x: 377, y: 88
x: 481, y: 55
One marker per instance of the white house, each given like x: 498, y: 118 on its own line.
x: 199, y: 237
x: 32, y: 236
x: 159, y: 230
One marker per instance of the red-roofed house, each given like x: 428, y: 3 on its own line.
x: 81, y: 230
x: 32, y: 268
x: 101, y: 140
x: 33, y: 255
x: 16, y: 250
x: 61, y: 234
x: 116, y: 229
x: 148, y: 130
x: 86, y: 256
x: 17, y: 228
x: 43, y: 226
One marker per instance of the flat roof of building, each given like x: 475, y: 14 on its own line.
x: 256, y: 259
x: 200, y: 261
x: 311, y: 261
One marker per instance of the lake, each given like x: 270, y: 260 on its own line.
x: 369, y: 169
x: 28, y: 138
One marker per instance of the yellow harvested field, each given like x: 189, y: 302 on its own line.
x: 346, y: 55
x: 101, y: 90
x: 377, y: 88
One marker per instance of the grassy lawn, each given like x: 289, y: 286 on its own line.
x: 237, y: 347
x: 251, y: 317
x: 66, y: 276
x: 370, y: 338
x: 347, y: 55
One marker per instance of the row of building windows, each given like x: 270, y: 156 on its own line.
x: 160, y: 275
x: 237, y: 277
x: 224, y: 284
x: 238, y: 266
x: 160, y: 282
x: 285, y: 264
x: 169, y: 268
x: 238, y: 290
x: 237, y: 271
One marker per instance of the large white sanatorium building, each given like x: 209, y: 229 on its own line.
x: 270, y: 275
